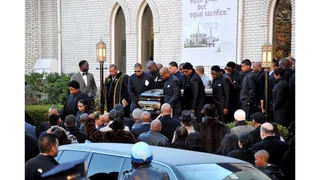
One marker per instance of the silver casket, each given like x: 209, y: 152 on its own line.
x: 152, y: 100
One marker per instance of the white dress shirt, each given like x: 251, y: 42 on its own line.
x: 84, y: 78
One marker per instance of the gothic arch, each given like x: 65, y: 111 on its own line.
x: 113, y: 12
x: 154, y: 10
x: 270, y: 15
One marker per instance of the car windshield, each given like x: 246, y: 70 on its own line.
x: 221, y: 171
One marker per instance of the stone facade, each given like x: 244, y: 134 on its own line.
x: 84, y: 22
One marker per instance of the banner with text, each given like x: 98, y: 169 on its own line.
x: 209, y: 31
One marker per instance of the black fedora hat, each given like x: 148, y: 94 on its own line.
x: 186, y: 116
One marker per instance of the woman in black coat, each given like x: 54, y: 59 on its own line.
x: 194, y: 142
x: 228, y: 144
x: 244, y: 153
x: 181, y: 135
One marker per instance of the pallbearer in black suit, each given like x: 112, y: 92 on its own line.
x: 194, y: 96
x: 174, y: 70
x: 155, y: 73
x: 171, y: 91
x: 235, y: 79
x: 139, y: 82
x: 220, y: 92
x: 116, y: 90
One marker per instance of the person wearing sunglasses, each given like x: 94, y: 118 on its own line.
x: 139, y: 82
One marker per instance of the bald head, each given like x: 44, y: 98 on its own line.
x: 257, y: 66
x: 146, y: 117
x: 266, y: 130
x: 166, y: 109
x: 152, y: 67
x: 156, y: 125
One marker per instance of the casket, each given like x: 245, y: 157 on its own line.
x: 151, y: 100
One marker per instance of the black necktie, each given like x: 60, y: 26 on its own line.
x: 84, y: 73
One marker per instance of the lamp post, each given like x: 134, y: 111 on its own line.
x: 101, y: 57
x: 266, y: 64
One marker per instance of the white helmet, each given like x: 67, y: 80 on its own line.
x: 141, y: 153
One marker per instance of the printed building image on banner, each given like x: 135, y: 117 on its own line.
x: 209, y: 31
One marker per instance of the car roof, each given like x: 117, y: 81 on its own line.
x: 160, y: 154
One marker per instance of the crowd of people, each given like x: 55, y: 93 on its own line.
x: 190, y: 121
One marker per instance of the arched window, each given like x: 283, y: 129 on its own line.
x: 282, y: 29
x: 147, y: 37
x: 120, y: 40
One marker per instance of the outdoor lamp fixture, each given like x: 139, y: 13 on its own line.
x: 101, y: 58
x: 266, y: 64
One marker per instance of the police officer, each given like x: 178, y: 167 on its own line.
x: 141, y: 157
x: 74, y: 170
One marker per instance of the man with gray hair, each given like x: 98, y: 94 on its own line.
x: 45, y: 125
x: 275, y: 147
x: 171, y: 91
x: 83, y: 118
x: 136, y: 114
x: 146, y: 118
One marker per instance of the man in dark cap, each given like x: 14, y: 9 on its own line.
x: 74, y: 170
x: 194, y: 96
x: 258, y: 119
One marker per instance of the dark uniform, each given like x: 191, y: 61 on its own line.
x: 74, y: 170
x: 38, y: 165
x: 145, y: 172
x: 281, y: 102
x: 261, y: 78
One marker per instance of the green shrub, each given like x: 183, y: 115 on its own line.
x: 46, y: 88
x: 284, y: 132
x: 39, y: 113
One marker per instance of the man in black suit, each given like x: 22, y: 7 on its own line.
x: 48, y: 146
x: 220, y: 92
x: 248, y: 98
x: 155, y: 73
x: 71, y: 126
x: 146, y: 118
x: 171, y: 91
x: 85, y: 80
x: 194, y: 96
x: 169, y: 124
x: 235, y: 78
x: 174, y: 70
x: 116, y: 90
x: 139, y: 82
x: 274, y: 65
x: 260, y: 83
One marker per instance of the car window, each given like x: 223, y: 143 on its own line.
x: 127, y: 166
x: 68, y: 156
x: 164, y: 168
x: 58, y: 156
x: 103, y: 166
x: 221, y: 171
